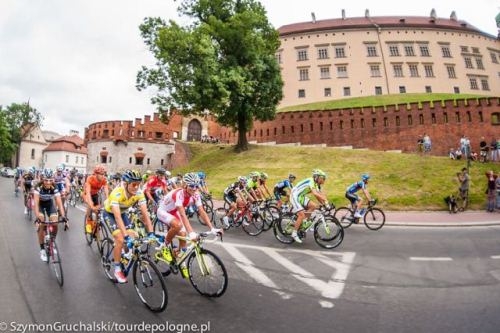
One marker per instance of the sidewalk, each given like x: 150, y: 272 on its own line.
x: 442, y: 218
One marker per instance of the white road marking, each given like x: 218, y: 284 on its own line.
x: 495, y: 257
x: 431, y: 258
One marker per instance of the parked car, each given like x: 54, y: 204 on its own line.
x: 8, y: 172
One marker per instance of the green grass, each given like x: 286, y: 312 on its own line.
x: 399, y: 181
x: 381, y: 100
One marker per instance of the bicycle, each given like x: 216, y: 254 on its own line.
x: 50, y: 245
x: 99, y: 230
x: 271, y: 213
x: 205, y: 270
x: 373, y: 218
x: 148, y: 281
x: 73, y: 196
x: 328, y: 232
x: 249, y: 216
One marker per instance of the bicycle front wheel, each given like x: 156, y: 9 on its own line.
x: 283, y: 228
x: 345, y: 216
x: 329, y: 234
x: 218, y: 218
x: 270, y: 215
x: 207, y: 273
x: 255, y: 225
x: 107, y: 246
x: 55, y: 262
x: 374, y: 218
x: 149, y: 285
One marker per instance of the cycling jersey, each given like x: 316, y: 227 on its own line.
x: 60, y: 180
x: 177, y: 198
x: 95, y: 184
x: 28, y: 182
x: 353, y: 188
x: 46, y: 194
x: 234, y: 188
x: 299, y: 193
x: 118, y: 197
x: 251, y: 184
x: 283, y: 184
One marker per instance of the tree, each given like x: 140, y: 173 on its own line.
x: 224, y: 61
x: 7, y: 147
x: 17, y: 118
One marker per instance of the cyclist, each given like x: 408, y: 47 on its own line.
x: 172, y: 212
x: 203, y: 183
x: 262, y: 189
x: 235, y: 195
x: 280, y: 189
x: 27, y: 180
x: 355, y: 200
x: 252, y: 184
x: 62, y: 182
x: 301, y: 203
x: 93, y: 185
x: 156, y: 185
x: 46, y: 198
x: 115, y: 216
x: 145, y: 176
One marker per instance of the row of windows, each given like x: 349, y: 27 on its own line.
x: 132, y: 160
x: 362, y: 123
x: 346, y: 91
x: 78, y: 159
x: 394, y: 51
x: 413, y: 70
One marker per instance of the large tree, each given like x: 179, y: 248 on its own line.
x: 223, y: 61
x: 18, y: 119
x: 7, y: 147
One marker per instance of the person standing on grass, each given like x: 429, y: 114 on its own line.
x: 491, y: 192
x: 464, y: 179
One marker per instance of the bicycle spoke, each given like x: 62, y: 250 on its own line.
x: 329, y: 234
x: 207, y: 273
x: 149, y: 285
x: 374, y: 219
x: 55, y: 262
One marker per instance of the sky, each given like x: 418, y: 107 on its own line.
x: 76, y: 61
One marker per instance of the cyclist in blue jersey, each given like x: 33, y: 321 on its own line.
x: 280, y: 189
x: 355, y: 200
x: 300, y: 201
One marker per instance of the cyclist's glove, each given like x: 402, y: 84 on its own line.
x: 151, y: 237
x: 193, y: 235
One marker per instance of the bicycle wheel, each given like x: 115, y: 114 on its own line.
x: 219, y: 213
x: 345, y: 216
x: 72, y: 199
x: 374, y: 218
x: 255, y: 225
x: 270, y: 215
x: 55, y: 262
x: 329, y: 234
x: 159, y: 227
x: 210, y: 214
x: 100, y: 234
x: 149, y: 285
x: 283, y: 228
x: 89, y: 238
x: 107, y: 258
x: 207, y: 273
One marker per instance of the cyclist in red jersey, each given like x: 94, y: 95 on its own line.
x: 155, y: 185
x: 93, y: 185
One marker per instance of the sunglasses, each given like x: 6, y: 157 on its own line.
x: 193, y: 187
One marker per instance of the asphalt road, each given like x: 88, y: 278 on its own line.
x: 400, y: 279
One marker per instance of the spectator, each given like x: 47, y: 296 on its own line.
x: 420, y: 144
x: 465, y: 146
x: 491, y: 192
x: 427, y: 143
x: 483, y: 150
x: 451, y: 154
x: 464, y: 179
x: 473, y: 156
x: 497, y: 184
x: 458, y: 154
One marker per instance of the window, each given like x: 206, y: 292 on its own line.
x: 323, y: 53
x: 374, y: 122
x: 484, y: 84
x: 433, y: 118
x: 139, y: 160
x: 352, y: 123
x: 421, y: 119
x: 495, y: 118
x: 104, y: 159
x: 468, y: 62
x: 424, y: 51
x: 339, y: 52
x: 445, y: 118
x: 278, y: 57
x: 67, y: 159
x: 410, y: 120
x: 446, y: 51
x: 303, y: 74
x: 302, y: 93
x: 324, y: 72
x: 148, y: 160
x: 469, y: 116
x: 362, y: 124
x: 475, y: 50
x: 457, y: 117
x: 162, y: 161
x: 347, y: 91
x: 402, y: 89
x: 372, y: 50
x: 398, y: 121
x: 429, y: 72
x: 464, y: 49
x: 375, y: 70
x: 393, y: 51
x: 378, y: 90
x: 479, y: 63
x: 328, y: 92
x: 109, y: 159
x: 398, y: 70
x: 473, y: 83
x: 302, y: 55
x: 451, y: 71
x: 33, y: 153
x: 456, y: 90
x: 428, y: 89
x: 409, y: 52
x: 158, y: 135
x: 494, y: 58
x: 342, y: 71
x: 413, y: 70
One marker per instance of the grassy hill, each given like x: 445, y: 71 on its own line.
x: 399, y: 181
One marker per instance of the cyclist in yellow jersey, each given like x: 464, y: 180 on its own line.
x: 300, y: 201
x: 115, y: 206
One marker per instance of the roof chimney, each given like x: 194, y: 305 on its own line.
x: 313, y: 17
x: 367, y: 13
x: 433, y: 14
x: 343, y: 14
x: 453, y: 16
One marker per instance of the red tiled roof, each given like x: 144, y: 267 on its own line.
x: 382, y: 21
x: 72, y: 143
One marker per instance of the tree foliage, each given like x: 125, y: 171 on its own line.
x: 223, y: 61
x: 14, y: 121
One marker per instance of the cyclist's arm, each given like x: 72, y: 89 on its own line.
x: 204, y: 216
x: 321, y: 197
x: 36, y: 201
x: 115, y: 209
x: 367, y: 194
x: 184, y: 219
x: 88, y: 197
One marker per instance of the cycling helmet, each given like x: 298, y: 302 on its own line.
x: 48, y: 173
x: 131, y: 176
x: 263, y: 175
x: 365, y: 177
x: 318, y: 172
x: 117, y: 176
x: 254, y: 174
x: 60, y: 167
x: 291, y: 175
x: 191, y: 179
x: 201, y: 174
x: 161, y: 171
x: 99, y: 169
x: 242, y: 179
x: 168, y: 173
